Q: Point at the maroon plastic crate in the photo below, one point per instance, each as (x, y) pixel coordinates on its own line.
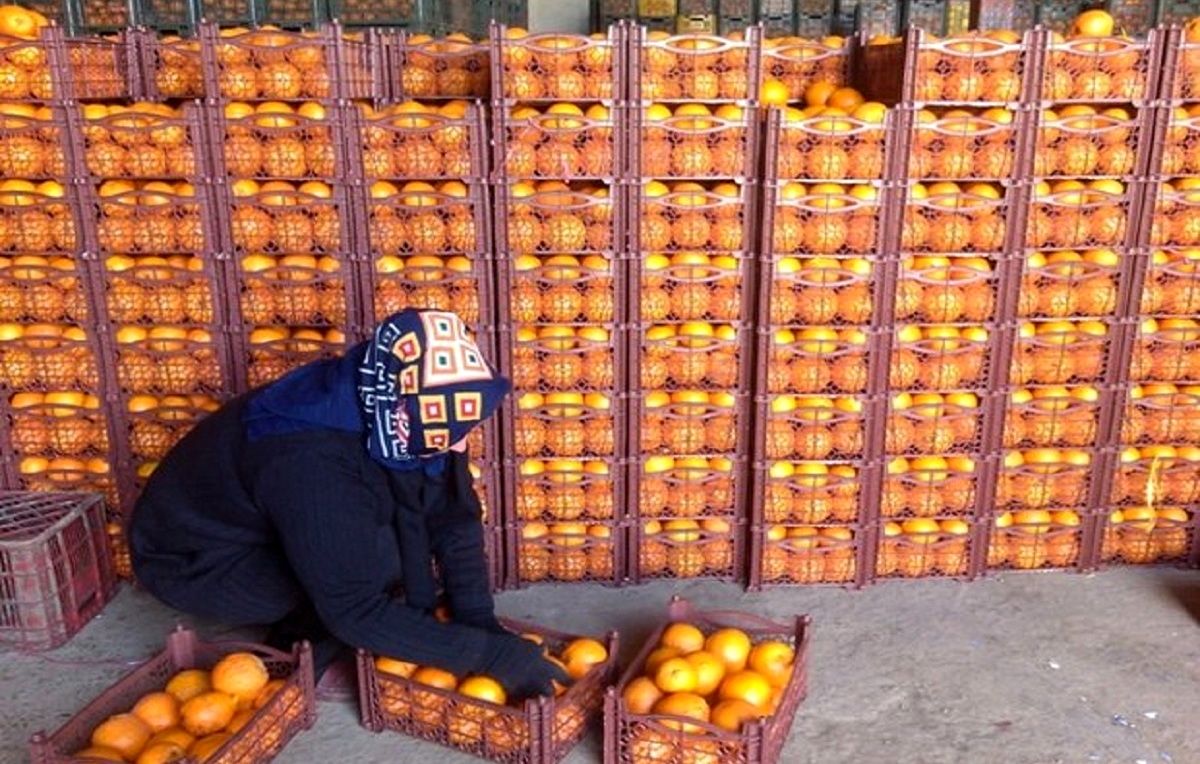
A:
(68, 473)
(694, 67)
(540, 731)
(569, 552)
(1066, 285)
(57, 573)
(37, 219)
(940, 357)
(926, 548)
(966, 147)
(823, 228)
(565, 426)
(279, 219)
(48, 357)
(56, 424)
(274, 65)
(816, 361)
(1172, 284)
(806, 555)
(296, 291)
(29, 68)
(1044, 479)
(800, 64)
(413, 140)
(1038, 545)
(948, 290)
(271, 352)
(935, 423)
(715, 221)
(95, 68)
(309, 141)
(829, 149)
(683, 548)
(927, 486)
(439, 68)
(810, 493)
(33, 142)
(1161, 414)
(1175, 215)
(1112, 142)
(1063, 353)
(1053, 417)
(578, 220)
(694, 143)
(157, 424)
(145, 141)
(562, 141)
(959, 223)
(1143, 535)
(1180, 77)
(290, 711)
(171, 66)
(556, 67)
(630, 737)
(43, 290)
(153, 218)
(1080, 220)
(1156, 475)
(1164, 350)
(811, 428)
(1098, 71)
(152, 291)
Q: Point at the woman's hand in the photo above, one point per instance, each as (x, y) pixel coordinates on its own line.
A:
(520, 667)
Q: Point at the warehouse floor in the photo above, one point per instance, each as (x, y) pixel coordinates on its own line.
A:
(1033, 668)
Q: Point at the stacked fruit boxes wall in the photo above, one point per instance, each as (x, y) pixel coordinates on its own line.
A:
(693, 174)
(1150, 514)
(561, 278)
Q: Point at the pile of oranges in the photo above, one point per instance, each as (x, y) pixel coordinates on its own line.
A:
(474, 712)
(415, 140)
(268, 64)
(695, 688)
(557, 67)
(561, 141)
(452, 66)
(693, 68)
(924, 546)
(791, 65)
(197, 714)
(1035, 538)
(142, 140)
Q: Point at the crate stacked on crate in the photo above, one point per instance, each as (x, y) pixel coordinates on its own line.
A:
(473, 713)
(1090, 144)
(959, 162)
(454, 66)
(791, 66)
(693, 155)
(283, 185)
(560, 313)
(816, 467)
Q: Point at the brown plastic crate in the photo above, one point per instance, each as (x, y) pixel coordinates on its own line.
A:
(838, 149)
(271, 352)
(805, 555)
(556, 67)
(1097, 71)
(580, 220)
(1053, 417)
(807, 428)
(540, 143)
(144, 142)
(1064, 353)
(1175, 216)
(297, 291)
(28, 67)
(33, 143)
(844, 228)
(273, 65)
(1036, 547)
(810, 493)
(692, 147)
(1180, 76)
(816, 361)
(309, 141)
(632, 737)
(151, 291)
(1040, 480)
(1164, 537)
(541, 731)
(150, 220)
(37, 221)
(1069, 286)
(43, 290)
(1112, 143)
(57, 573)
(1171, 287)
(1161, 414)
(714, 221)
(411, 140)
(1155, 475)
(568, 552)
(964, 147)
(95, 68)
(171, 66)
(948, 552)
(566, 426)
(47, 357)
(935, 358)
(67, 473)
(940, 423)
(931, 487)
(688, 548)
(438, 68)
(312, 220)
(962, 223)
(289, 712)
(799, 64)
(949, 290)
(1165, 351)
(694, 67)
(58, 424)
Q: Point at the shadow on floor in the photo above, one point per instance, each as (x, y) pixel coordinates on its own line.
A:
(1187, 594)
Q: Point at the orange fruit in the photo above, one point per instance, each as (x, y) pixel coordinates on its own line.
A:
(242, 675)
(581, 655)
(124, 733)
(774, 661)
(208, 712)
(676, 675)
(483, 688)
(749, 686)
(710, 670)
(731, 646)
(730, 715)
(641, 694)
(394, 667)
(773, 93)
(162, 753)
(684, 636)
(659, 656)
(188, 684)
(819, 93)
(204, 748)
(100, 752)
(846, 99)
(686, 704)
(433, 677)
(177, 735)
(159, 710)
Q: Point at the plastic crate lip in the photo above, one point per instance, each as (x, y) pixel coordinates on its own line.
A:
(821, 544)
(290, 198)
(15, 504)
(781, 51)
(823, 349)
(1089, 46)
(19, 200)
(559, 42)
(1094, 131)
(1156, 465)
(1187, 198)
(1179, 265)
(956, 275)
(259, 122)
(678, 200)
(1166, 401)
(973, 126)
(296, 346)
(1081, 270)
(570, 200)
(1048, 471)
(964, 203)
(431, 48)
(545, 122)
(817, 204)
(976, 40)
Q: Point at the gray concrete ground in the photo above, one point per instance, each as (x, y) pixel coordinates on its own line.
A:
(1033, 668)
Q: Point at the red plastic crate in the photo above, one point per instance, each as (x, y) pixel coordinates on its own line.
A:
(799, 64)
(1179, 133)
(630, 738)
(687, 357)
(413, 140)
(817, 361)
(68, 473)
(712, 221)
(29, 73)
(541, 731)
(937, 423)
(565, 426)
(271, 352)
(94, 68)
(33, 143)
(688, 487)
(580, 220)
(806, 554)
(156, 425)
(808, 428)
(1156, 475)
(945, 552)
(560, 142)
(691, 286)
(170, 360)
(694, 67)
(291, 710)
(940, 358)
(439, 68)
(459, 284)
(809, 493)
(417, 219)
(556, 67)
(295, 290)
(56, 570)
(158, 219)
(1053, 417)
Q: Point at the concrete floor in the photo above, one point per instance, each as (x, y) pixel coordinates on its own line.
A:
(1033, 668)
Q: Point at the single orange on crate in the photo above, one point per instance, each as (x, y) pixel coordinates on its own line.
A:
(242, 675)
(581, 655)
(124, 733)
(731, 646)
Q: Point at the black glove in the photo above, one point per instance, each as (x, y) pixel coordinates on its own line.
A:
(520, 667)
(480, 619)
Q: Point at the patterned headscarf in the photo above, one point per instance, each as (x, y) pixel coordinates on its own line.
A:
(416, 388)
(423, 385)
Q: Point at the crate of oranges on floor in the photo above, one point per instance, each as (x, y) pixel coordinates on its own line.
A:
(709, 687)
(217, 702)
(473, 714)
